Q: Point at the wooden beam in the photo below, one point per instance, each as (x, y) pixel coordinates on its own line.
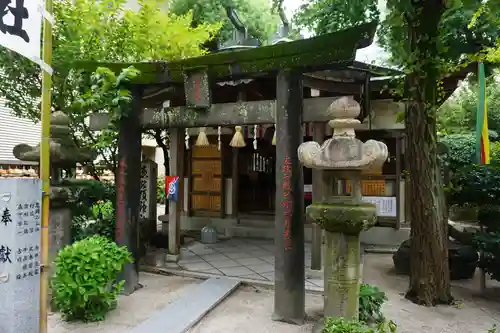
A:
(228, 114)
(289, 281)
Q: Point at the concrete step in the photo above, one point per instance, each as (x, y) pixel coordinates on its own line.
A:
(185, 312)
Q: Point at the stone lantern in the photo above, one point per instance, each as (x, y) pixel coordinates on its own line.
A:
(342, 217)
(64, 155)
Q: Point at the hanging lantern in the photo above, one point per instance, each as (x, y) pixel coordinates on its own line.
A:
(273, 142)
(237, 141)
(219, 143)
(255, 137)
(186, 138)
(202, 140)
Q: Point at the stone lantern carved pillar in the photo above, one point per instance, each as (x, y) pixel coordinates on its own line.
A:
(342, 217)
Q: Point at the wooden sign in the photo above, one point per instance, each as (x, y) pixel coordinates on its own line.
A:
(197, 89)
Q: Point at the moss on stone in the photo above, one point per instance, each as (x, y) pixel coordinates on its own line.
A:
(344, 217)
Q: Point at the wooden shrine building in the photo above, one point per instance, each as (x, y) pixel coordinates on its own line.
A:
(229, 174)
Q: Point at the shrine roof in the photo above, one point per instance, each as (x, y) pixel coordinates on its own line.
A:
(324, 56)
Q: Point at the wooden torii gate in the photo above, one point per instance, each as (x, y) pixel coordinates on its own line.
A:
(188, 85)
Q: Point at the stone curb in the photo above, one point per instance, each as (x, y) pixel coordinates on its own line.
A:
(204, 276)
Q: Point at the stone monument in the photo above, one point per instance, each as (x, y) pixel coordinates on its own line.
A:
(20, 255)
(147, 208)
(64, 155)
(342, 217)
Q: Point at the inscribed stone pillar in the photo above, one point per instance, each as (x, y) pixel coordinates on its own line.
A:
(289, 295)
(147, 210)
(20, 255)
(128, 178)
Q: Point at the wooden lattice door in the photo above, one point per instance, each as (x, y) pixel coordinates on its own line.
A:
(206, 181)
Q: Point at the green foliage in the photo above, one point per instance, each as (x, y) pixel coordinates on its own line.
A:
(371, 299)
(84, 194)
(83, 227)
(458, 114)
(456, 37)
(489, 243)
(488, 216)
(84, 283)
(255, 14)
(461, 150)
(475, 185)
(341, 325)
(325, 16)
(91, 203)
(161, 196)
(479, 185)
(490, 9)
(111, 33)
(103, 209)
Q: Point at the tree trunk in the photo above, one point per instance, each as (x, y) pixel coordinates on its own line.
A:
(164, 144)
(429, 272)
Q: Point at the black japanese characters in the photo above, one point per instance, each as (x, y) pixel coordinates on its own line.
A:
(20, 13)
(6, 217)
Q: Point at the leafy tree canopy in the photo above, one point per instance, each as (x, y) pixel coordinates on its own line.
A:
(99, 31)
(257, 16)
(490, 8)
(325, 16)
(458, 114)
(457, 36)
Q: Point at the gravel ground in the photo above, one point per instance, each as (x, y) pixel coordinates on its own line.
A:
(249, 309)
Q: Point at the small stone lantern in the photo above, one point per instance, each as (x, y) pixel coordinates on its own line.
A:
(342, 217)
(64, 155)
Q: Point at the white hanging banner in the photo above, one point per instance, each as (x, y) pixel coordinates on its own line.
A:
(21, 27)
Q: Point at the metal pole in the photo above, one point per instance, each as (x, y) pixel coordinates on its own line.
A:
(45, 166)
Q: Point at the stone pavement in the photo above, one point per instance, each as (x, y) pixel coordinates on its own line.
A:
(246, 259)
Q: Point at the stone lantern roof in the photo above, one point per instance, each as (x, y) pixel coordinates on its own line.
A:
(343, 151)
(63, 150)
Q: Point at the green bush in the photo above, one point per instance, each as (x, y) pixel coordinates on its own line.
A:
(84, 285)
(475, 185)
(161, 196)
(84, 194)
(371, 299)
(92, 206)
(489, 244)
(83, 227)
(461, 150)
(103, 209)
(341, 325)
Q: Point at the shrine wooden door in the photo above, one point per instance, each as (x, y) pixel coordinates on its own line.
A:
(207, 183)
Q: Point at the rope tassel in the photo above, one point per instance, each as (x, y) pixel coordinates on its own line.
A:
(273, 142)
(202, 140)
(238, 141)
